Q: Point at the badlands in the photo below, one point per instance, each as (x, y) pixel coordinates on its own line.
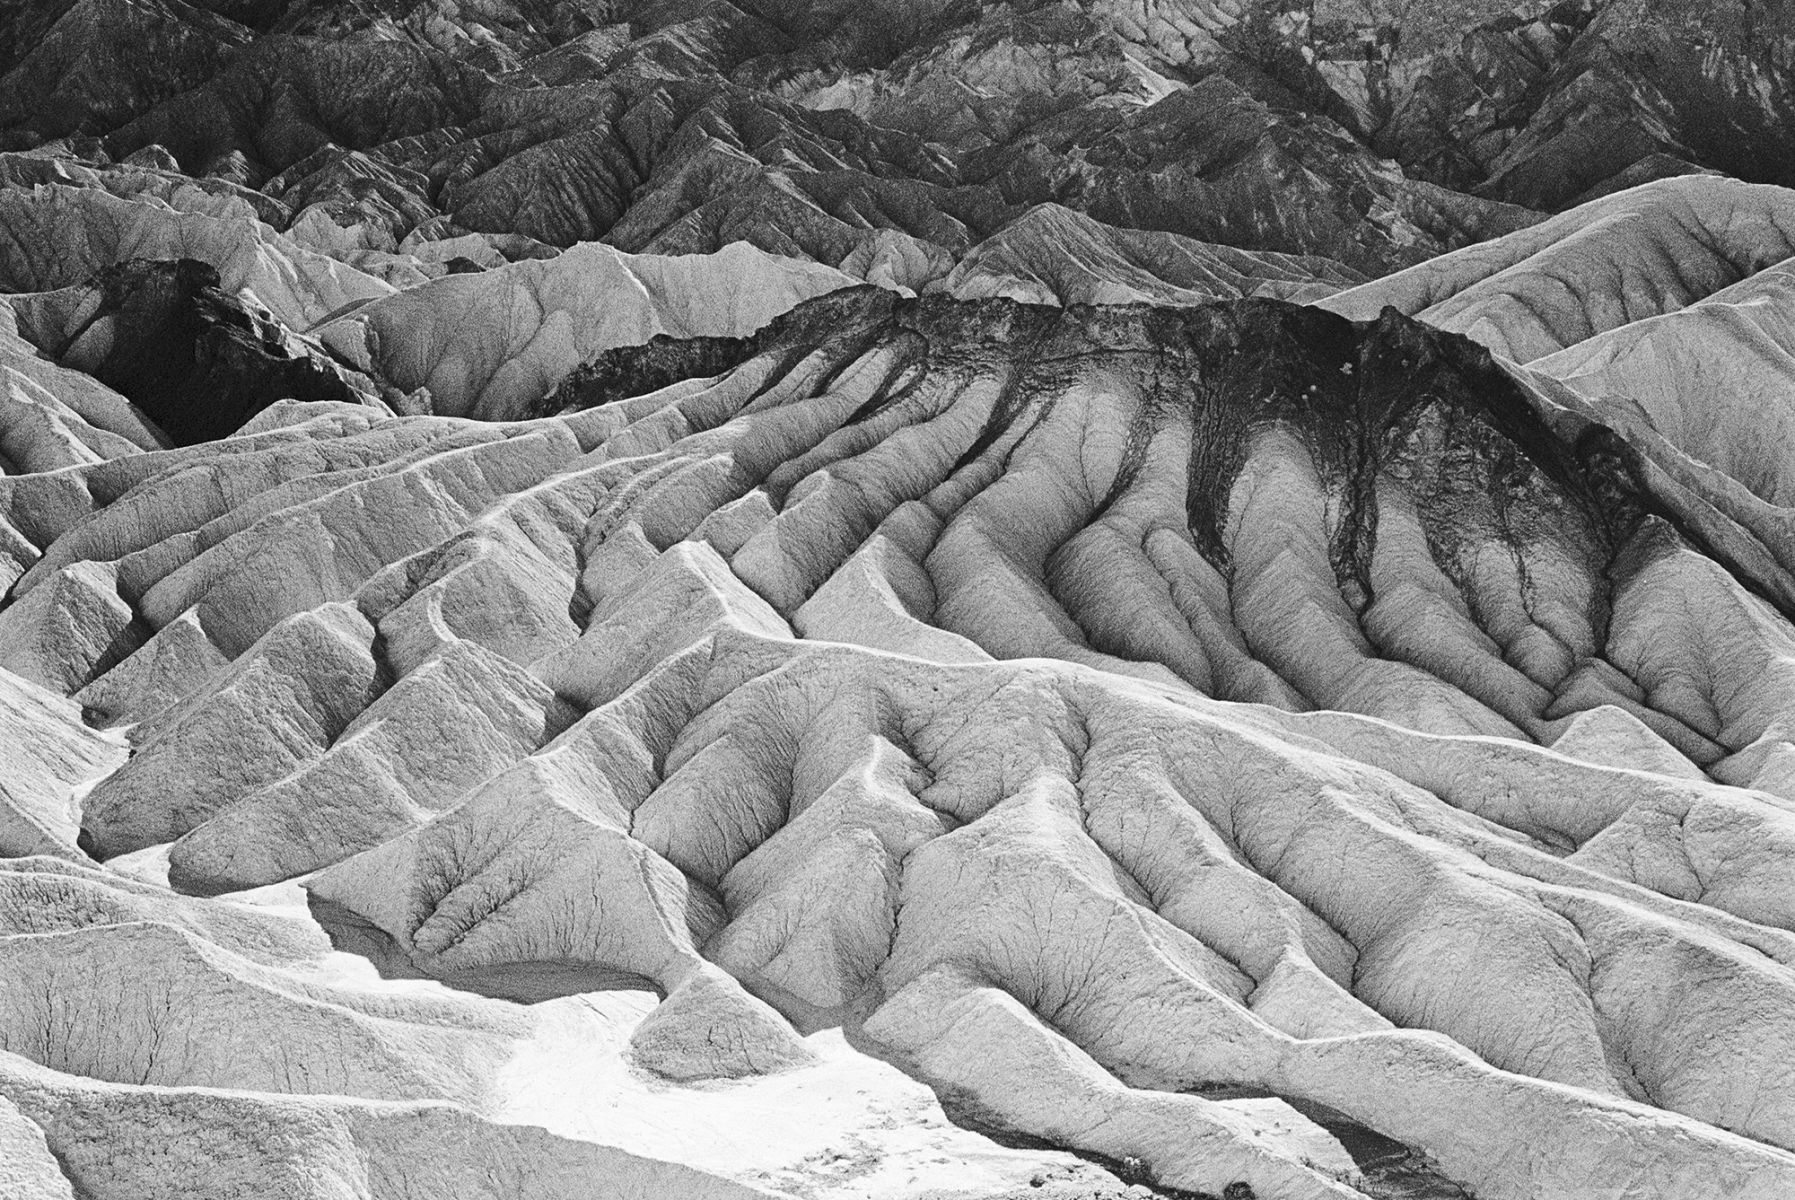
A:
(676, 599)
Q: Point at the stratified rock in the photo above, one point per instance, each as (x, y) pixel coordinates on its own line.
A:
(374, 204)
(882, 670)
(679, 144)
(517, 667)
(282, 98)
(1560, 101)
(496, 37)
(105, 61)
(493, 345)
(1589, 298)
(1056, 256)
(1637, 254)
(58, 237)
(149, 173)
(1737, 341)
(1213, 163)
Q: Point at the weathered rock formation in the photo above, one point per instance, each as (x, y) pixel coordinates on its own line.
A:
(196, 360)
(918, 600)
(1170, 733)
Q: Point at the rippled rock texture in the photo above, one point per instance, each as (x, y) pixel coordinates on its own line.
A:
(918, 601)
(1206, 738)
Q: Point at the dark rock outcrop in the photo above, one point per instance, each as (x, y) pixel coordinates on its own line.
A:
(196, 359)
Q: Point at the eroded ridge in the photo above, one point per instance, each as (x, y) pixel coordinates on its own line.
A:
(1093, 712)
